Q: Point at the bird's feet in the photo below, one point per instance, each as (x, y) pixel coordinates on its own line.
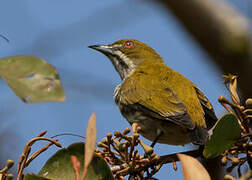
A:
(159, 134)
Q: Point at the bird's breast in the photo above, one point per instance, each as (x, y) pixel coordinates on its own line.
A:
(172, 134)
(117, 96)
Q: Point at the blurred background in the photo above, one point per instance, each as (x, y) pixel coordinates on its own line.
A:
(60, 31)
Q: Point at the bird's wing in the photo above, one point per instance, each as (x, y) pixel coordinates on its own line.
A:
(157, 101)
(210, 116)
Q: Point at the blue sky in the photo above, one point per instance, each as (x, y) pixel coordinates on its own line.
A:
(60, 31)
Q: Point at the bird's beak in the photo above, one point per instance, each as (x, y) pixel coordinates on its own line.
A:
(105, 49)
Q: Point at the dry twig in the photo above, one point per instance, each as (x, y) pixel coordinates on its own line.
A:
(24, 161)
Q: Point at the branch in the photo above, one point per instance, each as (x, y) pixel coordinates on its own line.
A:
(222, 32)
(24, 161)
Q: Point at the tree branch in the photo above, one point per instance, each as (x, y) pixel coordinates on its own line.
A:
(222, 32)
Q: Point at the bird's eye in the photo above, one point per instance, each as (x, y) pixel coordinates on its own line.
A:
(128, 44)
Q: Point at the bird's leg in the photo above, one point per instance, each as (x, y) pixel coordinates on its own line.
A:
(159, 134)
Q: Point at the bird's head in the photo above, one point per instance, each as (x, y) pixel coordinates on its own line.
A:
(127, 54)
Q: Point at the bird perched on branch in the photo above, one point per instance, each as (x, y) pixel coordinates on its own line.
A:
(168, 107)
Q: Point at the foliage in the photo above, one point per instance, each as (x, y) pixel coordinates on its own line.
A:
(68, 163)
(195, 166)
(32, 79)
(221, 139)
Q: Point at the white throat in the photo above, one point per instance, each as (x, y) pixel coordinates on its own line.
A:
(123, 64)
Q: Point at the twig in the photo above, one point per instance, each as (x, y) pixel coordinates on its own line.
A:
(42, 133)
(236, 108)
(134, 137)
(24, 161)
(3, 172)
(68, 134)
(34, 155)
(8, 165)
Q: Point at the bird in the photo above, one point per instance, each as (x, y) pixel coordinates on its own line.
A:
(168, 107)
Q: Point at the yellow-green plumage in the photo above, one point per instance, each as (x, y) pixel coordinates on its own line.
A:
(157, 97)
(164, 91)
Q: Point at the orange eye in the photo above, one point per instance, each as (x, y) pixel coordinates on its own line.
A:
(128, 44)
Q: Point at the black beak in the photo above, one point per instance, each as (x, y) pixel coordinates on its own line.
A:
(102, 48)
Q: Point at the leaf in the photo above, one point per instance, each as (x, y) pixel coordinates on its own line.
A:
(32, 79)
(232, 81)
(225, 133)
(233, 91)
(60, 166)
(90, 142)
(192, 169)
(34, 177)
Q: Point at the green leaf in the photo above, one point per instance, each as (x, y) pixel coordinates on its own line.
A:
(34, 177)
(225, 134)
(59, 166)
(32, 79)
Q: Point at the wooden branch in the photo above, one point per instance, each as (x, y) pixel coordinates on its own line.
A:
(222, 32)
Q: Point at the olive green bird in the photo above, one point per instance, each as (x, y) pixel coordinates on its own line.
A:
(168, 107)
